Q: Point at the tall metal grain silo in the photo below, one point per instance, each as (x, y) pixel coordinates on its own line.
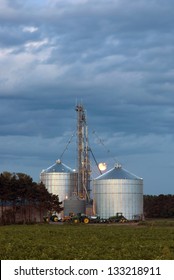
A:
(60, 179)
(116, 191)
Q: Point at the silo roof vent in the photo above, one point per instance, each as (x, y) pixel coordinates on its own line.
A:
(118, 165)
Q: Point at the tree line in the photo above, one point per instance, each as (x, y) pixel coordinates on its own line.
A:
(161, 206)
(22, 200)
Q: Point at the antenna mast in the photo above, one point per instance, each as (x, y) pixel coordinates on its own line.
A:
(83, 154)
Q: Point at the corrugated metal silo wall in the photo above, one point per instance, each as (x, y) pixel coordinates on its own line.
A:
(61, 184)
(74, 206)
(118, 195)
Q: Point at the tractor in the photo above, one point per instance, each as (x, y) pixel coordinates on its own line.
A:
(51, 217)
(118, 218)
(80, 218)
(76, 219)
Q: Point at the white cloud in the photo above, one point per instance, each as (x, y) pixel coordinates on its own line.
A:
(30, 29)
(35, 44)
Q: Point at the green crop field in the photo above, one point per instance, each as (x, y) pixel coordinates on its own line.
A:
(146, 241)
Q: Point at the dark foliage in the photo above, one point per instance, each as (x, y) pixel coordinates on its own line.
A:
(24, 199)
(161, 206)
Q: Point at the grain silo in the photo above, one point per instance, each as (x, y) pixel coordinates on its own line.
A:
(117, 191)
(60, 179)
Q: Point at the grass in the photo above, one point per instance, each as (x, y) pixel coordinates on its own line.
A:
(148, 241)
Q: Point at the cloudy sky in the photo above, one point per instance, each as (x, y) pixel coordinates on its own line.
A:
(116, 57)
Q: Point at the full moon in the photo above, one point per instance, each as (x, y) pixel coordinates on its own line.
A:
(102, 166)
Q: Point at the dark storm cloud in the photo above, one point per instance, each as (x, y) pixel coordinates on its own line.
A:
(116, 57)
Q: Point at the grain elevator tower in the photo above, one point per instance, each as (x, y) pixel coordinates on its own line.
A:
(83, 163)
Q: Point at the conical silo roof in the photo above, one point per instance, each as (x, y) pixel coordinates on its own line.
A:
(58, 167)
(117, 173)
